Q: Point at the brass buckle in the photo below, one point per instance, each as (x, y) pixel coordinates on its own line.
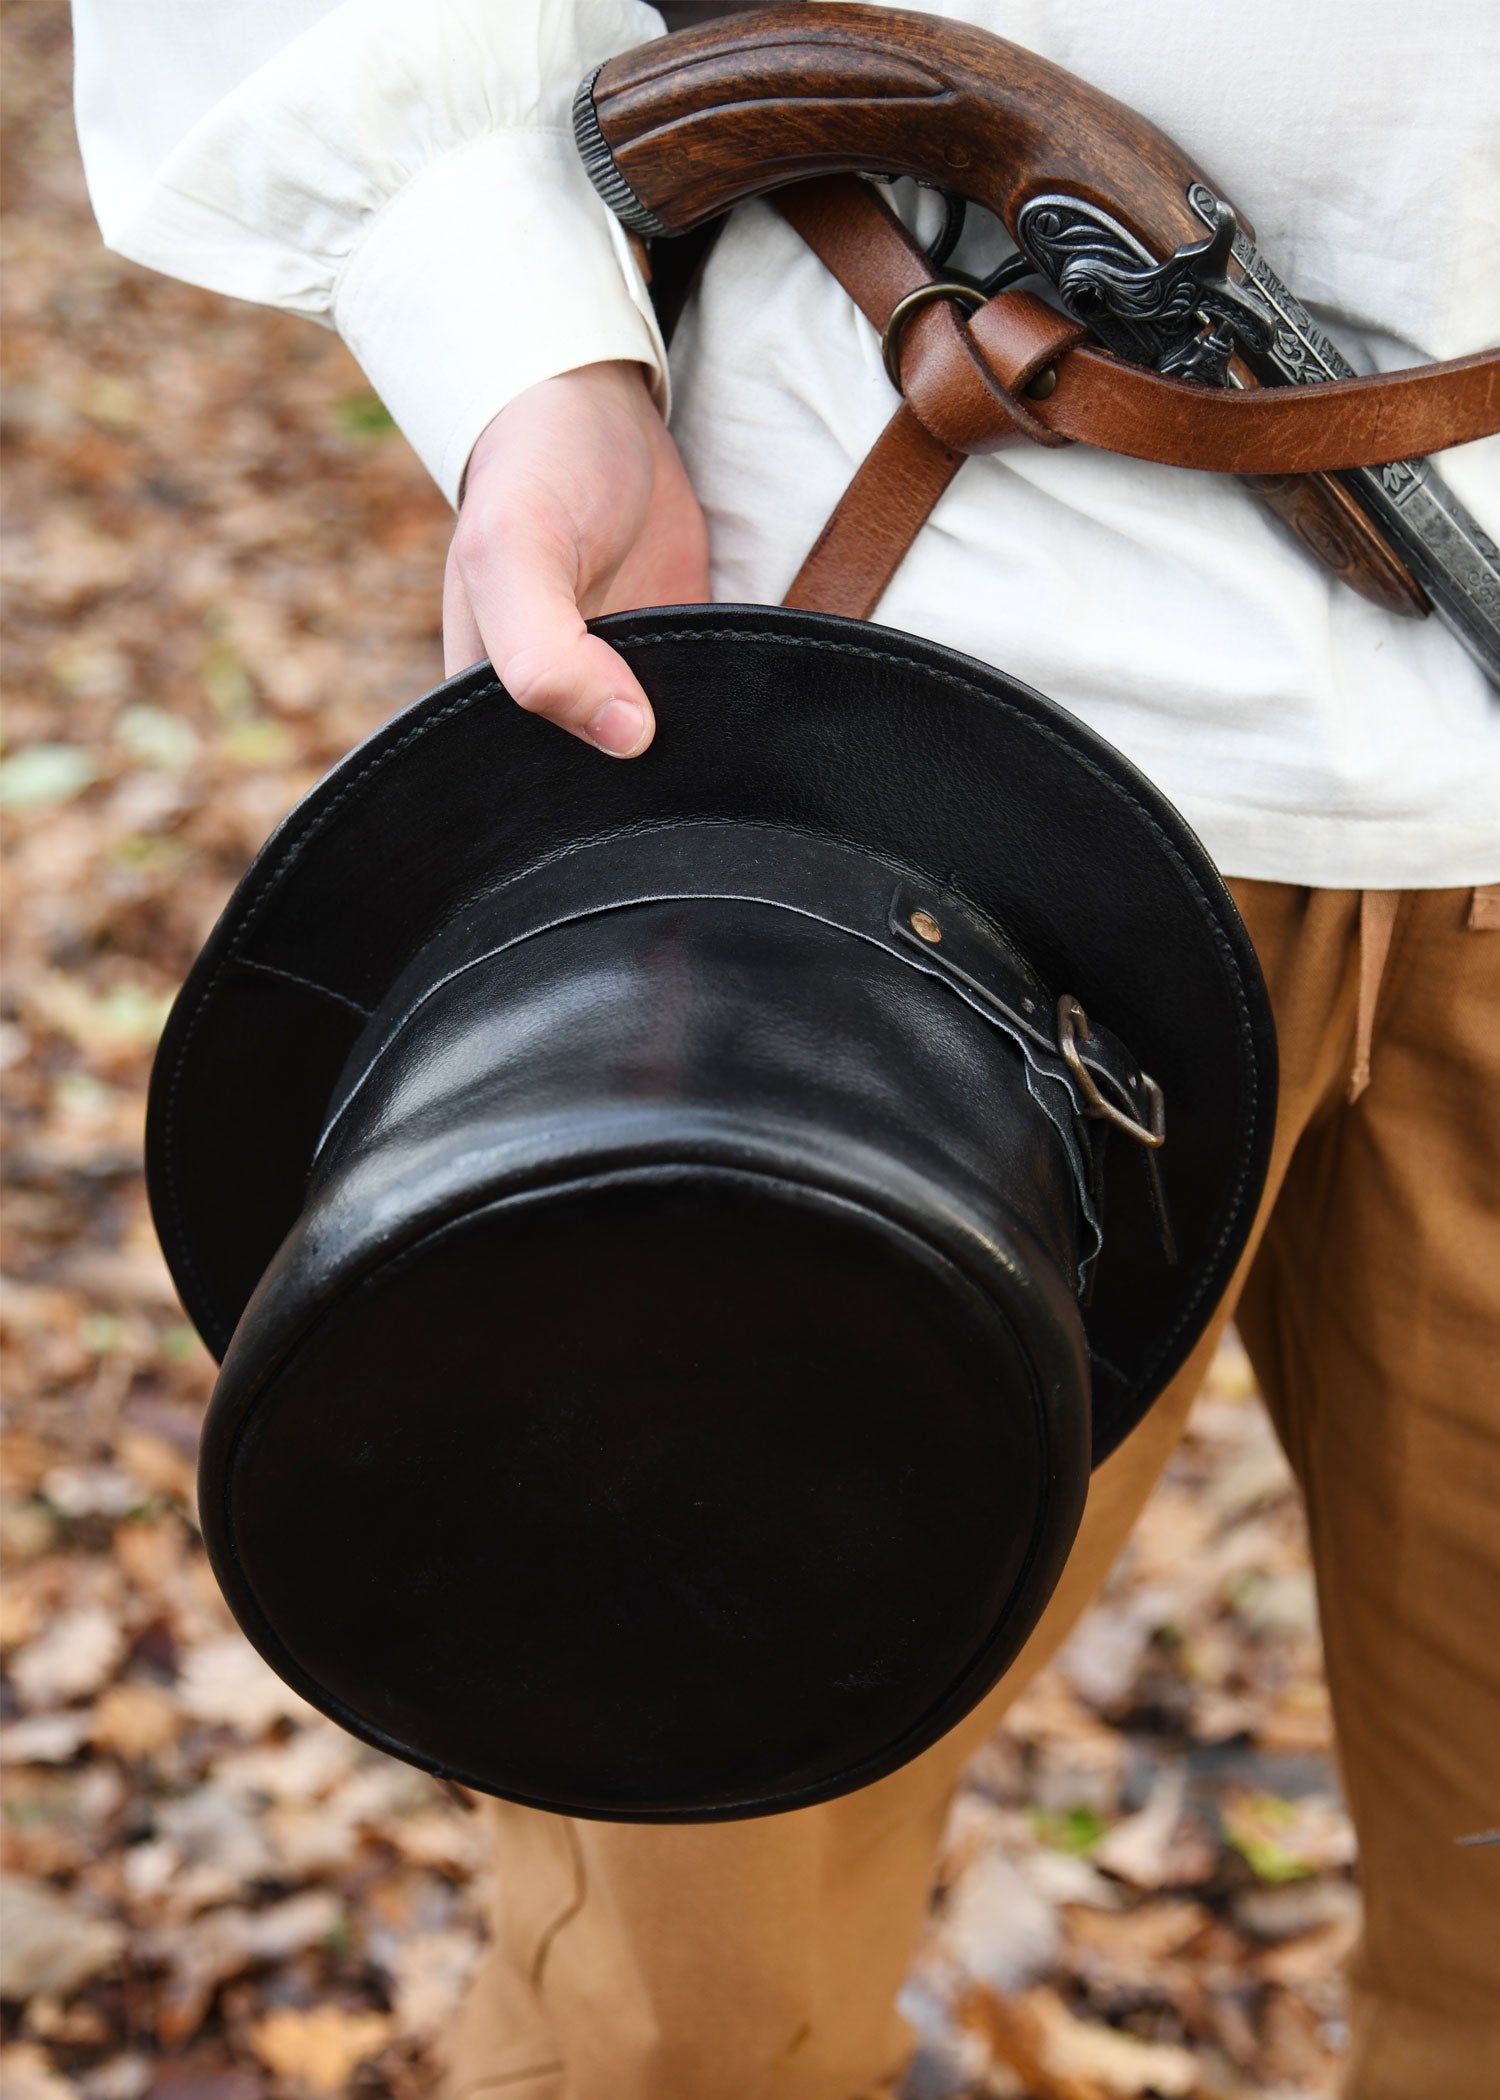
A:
(1073, 1026)
(902, 311)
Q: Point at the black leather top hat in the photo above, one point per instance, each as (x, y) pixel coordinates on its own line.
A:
(682, 1231)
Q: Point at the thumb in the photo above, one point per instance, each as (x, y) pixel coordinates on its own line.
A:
(517, 601)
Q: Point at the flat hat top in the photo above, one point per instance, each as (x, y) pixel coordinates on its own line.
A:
(938, 766)
(655, 1548)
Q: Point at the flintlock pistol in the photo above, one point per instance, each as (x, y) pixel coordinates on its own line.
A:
(1142, 248)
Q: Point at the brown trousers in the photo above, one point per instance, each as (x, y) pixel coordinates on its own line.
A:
(760, 1961)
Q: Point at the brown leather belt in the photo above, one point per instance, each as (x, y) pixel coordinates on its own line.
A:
(1015, 367)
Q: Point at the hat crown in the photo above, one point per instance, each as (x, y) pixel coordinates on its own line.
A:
(642, 1254)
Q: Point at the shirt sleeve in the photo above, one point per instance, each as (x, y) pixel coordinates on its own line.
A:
(401, 170)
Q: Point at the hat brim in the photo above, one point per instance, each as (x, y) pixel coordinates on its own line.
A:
(893, 745)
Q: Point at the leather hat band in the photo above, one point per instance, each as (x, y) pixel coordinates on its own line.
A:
(1080, 1073)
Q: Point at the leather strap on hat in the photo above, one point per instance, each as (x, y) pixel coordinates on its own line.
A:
(972, 381)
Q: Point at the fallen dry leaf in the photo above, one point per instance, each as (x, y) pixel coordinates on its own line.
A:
(76, 2026)
(134, 1720)
(151, 1554)
(124, 2077)
(997, 1927)
(1292, 2050)
(319, 2048)
(1299, 1719)
(1137, 1848)
(435, 1837)
(1283, 1840)
(22, 1613)
(218, 1846)
(1132, 1947)
(226, 1681)
(429, 1974)
(1065, 1878)
(310, 1838)
(28, 1529)
(1060, 2057)
(71, 1658)
(158, 1465)
(1015, 2037)
(43, 1739)
(1313, 1959)
(1102, 1658)
(1296, 1907)
(302, 1768)
(92, 1491)
(224, 1943)
(26, 2073)
(50, 1946)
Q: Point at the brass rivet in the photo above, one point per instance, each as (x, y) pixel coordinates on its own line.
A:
(925, 926)
(1043, 386)
(1028, 1006)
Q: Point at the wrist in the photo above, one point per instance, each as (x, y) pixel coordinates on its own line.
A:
(617, 383)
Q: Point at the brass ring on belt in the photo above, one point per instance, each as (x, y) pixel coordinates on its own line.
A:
(902, 311)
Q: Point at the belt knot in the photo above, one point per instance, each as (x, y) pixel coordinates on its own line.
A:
(965, 378)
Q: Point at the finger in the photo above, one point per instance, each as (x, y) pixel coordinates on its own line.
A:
(522, 599)
(462, 642)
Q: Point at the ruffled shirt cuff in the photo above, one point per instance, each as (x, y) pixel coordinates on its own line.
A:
(405, 174)
(494, 268)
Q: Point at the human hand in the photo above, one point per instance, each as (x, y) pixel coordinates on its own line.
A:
(576, 504)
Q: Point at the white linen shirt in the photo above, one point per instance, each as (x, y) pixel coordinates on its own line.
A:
(404, 171)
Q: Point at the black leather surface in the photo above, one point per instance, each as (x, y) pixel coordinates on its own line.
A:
(943, 767)
(665, 1384)
(811, 878)
(669, 1404)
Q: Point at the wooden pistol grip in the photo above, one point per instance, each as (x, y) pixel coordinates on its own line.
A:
(699, 121)
(677, 131)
